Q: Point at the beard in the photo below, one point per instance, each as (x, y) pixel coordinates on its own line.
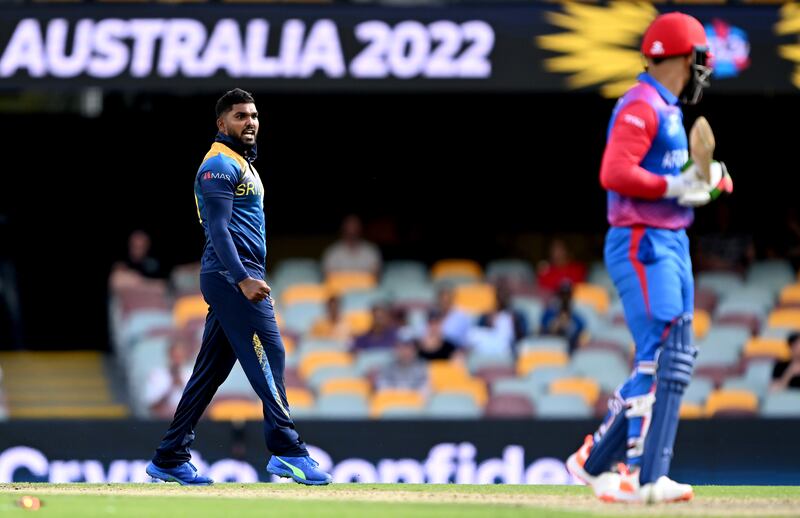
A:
(248, 140)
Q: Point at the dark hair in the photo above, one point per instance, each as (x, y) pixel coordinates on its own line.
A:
(231, 97)
(792, 338)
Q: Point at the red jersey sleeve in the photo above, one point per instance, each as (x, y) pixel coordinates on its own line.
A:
(631, 136)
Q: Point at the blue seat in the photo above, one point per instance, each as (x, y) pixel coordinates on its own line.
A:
(698, 390)
(605, 367)
(373, 359)
(362, 300)
(532, 343)
(720, 283)
(297, 270)
(452, 406)
(515, 270)
(479, 361)
(237, 384)
(562, 406)
(532, 308)
(298, 318)
(782, 404)
(342, 406)
(412, 293)
(771, 274)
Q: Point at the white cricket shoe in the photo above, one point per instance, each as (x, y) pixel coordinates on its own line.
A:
(663, 490)
(602, 484)
(666, 490)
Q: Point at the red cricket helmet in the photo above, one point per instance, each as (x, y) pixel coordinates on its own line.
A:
(678, 34)
(673, 34)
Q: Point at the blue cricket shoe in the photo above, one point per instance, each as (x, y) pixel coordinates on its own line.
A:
(303, 470)
(185, 474)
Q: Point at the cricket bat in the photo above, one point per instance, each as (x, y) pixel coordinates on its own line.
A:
(701, 146)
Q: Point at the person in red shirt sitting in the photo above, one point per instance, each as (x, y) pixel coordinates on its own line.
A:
(560, 267)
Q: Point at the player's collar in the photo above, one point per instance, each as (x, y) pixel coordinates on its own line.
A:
(662, 90)
(248, 152)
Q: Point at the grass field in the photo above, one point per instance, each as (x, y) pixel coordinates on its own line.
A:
(378, 501)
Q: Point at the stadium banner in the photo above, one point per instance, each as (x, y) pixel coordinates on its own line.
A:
(719, 451)
(537, 47)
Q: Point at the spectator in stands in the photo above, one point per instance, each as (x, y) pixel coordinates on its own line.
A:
(787, 374)
(382, 334)
(139, 269)
(406, 372)
(165, 384)
(559, 319)
(351, 253)
(332, 325)
(559, 267)
(724, 249)
(497, 331)
(433, 345)
(455, 322)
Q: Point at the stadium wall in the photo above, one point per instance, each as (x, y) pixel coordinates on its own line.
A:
(515, 452)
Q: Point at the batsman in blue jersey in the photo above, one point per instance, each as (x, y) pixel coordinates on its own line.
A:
(653, 188)
(241, 320)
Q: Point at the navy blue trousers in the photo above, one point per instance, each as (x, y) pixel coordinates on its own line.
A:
(235, 329)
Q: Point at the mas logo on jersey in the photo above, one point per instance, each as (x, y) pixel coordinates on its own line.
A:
(730, 48)
(789, 24)
(208, 175)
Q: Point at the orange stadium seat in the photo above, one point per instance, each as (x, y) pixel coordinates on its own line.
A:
(359, 321)
(701, 323)
(456, 268)
(475, 298)
(767, 347)
(299, 397)
(188, 308)
(343, 282)
(288, 344)
(593, 295)
(731, 400)
(358, 386)
(534, 359)
(236, 410)
(389, 399)
(587, 388)
(691, 411)
(442, 373)
(317, 359)
(297, 293)
(788, 318)
(790, 294)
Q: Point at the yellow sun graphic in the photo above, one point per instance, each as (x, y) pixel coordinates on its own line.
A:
(599, 45)
(790, 24)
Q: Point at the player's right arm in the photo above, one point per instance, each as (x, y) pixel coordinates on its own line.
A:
(218, 181)
(629, 141)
